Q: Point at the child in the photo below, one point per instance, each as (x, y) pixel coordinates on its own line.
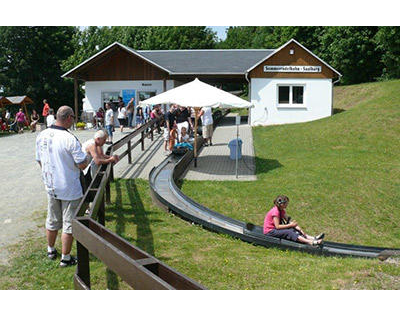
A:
(172, 136)
(274, 225)
(184, 136)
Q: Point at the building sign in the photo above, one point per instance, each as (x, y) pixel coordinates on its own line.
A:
(292, 68)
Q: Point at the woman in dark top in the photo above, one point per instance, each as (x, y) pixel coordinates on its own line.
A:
(139, 117)
(34, 120)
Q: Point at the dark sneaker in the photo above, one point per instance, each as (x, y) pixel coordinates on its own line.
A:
(320, 236)
(66, 263)
(52, 254)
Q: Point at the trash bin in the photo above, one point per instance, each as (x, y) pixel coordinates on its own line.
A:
(232, 146)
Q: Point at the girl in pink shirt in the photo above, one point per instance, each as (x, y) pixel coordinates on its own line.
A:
(277, 224)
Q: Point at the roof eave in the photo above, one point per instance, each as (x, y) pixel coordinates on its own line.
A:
(126, 48)
(306, 49)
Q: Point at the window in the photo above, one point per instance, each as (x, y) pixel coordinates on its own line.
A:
(284, 95)
(143, 95)
(297, 94)
(109, 96)
(291, 95)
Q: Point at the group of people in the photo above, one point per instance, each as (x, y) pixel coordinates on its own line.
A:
(20, 120)
(16, 124)
(125, 115)
(178, 126)
(177, 121)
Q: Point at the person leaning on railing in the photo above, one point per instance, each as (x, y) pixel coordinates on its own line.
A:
(94, 149)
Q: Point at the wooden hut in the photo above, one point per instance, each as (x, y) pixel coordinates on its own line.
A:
(21, 101)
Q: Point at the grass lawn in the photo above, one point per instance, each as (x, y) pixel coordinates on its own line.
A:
(342, 175)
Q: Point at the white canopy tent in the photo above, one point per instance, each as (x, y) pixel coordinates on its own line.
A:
(197, 94)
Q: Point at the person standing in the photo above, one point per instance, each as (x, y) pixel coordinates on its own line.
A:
(7, 117)
(45, 112)
(130, 110)
(173, 135)
(169, 123)
(61, 158)
(207, 124)
(139, 116)
(109, 122)
(122, 116)
(50, 119)
(21, 119)
(154, 114)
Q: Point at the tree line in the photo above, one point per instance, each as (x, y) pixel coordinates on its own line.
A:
(32, 59)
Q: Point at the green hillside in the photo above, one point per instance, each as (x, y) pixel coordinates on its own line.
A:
(341, 173)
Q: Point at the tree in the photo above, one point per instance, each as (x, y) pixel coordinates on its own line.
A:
(238, 37)
(180, 37)
(30, 62)
(388, 40)
(352, 51)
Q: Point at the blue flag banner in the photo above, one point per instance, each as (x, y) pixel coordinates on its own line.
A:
(127, 95)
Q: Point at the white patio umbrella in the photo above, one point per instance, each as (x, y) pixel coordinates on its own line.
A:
(198, 94)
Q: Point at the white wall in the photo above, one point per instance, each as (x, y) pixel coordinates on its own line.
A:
(93, 90)
(264, 95)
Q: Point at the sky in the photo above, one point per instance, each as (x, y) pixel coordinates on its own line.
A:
(221, 31)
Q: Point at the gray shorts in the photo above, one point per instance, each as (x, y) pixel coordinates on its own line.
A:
(208, 131)
(60, 213)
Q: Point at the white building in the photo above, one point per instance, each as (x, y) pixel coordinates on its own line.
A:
(287, 85)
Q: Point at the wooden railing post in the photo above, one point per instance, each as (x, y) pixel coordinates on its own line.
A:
(83, 268)
(108, 192)
(142, 141)
(129, 153)
(102, 213)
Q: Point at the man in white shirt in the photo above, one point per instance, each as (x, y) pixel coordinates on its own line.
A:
(61, 158)
(50, 119)
(109, 122)
(8, 115)
(207, 124)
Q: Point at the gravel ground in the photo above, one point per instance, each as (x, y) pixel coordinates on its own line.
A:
(22, 192)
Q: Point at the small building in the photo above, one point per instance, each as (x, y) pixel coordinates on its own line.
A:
(286, 85)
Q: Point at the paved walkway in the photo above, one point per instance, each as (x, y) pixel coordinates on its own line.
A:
(22, 191)
(213, 162)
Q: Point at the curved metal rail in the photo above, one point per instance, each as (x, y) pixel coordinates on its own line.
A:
(165, 192)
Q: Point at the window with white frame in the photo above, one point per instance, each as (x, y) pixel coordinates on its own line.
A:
(291, 95)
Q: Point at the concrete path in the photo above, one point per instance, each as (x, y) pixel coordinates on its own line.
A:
(214, 163)
(22, 191)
